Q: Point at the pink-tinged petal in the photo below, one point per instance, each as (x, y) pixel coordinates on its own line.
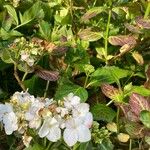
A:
(84, 134)
(70, 136)
(44, 130)
(54, 134)
(88, 120)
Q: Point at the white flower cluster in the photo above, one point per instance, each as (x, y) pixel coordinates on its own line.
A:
(68, 118)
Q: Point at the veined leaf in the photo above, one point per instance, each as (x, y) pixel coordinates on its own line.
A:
(107, 75)
(92, 13)
(103, 112)
(122, 40)
(89, 35)
(45, 30)
(12, 13)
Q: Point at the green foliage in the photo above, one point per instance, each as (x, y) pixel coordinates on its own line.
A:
(103, 112)
(65, 87)
(108, 75)
(145, 118)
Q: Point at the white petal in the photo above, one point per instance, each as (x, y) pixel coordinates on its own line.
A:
(54, 134)
(70, 136)
(70, 123)
(10, 122)
(80, 110)
(44, 130)
(75, 100)
(84, 134)
(88, 120)
(35, 123)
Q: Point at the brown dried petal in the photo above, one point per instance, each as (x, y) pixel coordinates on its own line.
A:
(122, 40)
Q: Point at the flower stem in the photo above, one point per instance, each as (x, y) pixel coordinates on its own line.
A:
(17, 77)
(130, 145)
(86, 80)
(24, 76)
(107, 34)
(45, 93)
(50, 143)
(117, 118)
(109, 103)
(147, 10)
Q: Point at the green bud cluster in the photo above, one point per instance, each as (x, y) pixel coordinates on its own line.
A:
(99, 134)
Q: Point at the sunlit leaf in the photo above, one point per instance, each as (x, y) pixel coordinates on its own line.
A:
(122, 40)
(138, 57)
(89, 35)
(92, 13)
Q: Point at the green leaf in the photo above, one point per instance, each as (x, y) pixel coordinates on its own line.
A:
(107, 75)
(65, 87)
(145, 118)
(92, 13)
(141, 90)
(45, 30)
(106, 145)
(8, 34)
(35, 12)
(12, 13)
(89, 35)
(6, 56)
(35, 85)
(103, 112)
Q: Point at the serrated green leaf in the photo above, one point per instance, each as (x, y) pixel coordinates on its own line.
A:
(45, 30)
(65, 87)
(145, 118)
(107, 75)
(103, 112)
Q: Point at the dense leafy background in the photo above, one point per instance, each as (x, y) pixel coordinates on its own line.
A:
(91, 44)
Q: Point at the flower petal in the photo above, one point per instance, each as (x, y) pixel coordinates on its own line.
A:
(70, 136)
(44, 130)
(54, 134)
(88, 120)
(84, 134)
